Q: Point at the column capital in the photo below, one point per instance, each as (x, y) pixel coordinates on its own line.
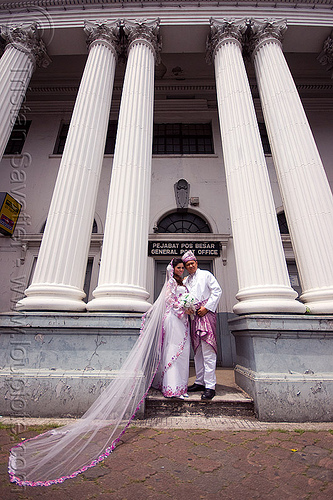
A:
(147, 32)
(106, 31)
(326, 55)
(221, 31)
(266, 31)
(26, 39)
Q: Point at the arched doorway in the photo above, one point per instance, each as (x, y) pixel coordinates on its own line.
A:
(189, 229)
(179, 222)
(183, 222)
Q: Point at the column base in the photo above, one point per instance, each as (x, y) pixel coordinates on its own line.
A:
(119, 298)
(52, 298)
(268, 300)
(62, 361)
(319, 301)
(284, 363)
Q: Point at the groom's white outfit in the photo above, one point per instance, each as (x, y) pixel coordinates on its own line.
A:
(207, 292)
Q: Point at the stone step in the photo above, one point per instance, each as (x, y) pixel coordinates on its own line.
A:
(229, 401)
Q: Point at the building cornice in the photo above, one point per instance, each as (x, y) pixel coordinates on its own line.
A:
(312, 87)
(100, 3)
(70, 15)
(60, 99)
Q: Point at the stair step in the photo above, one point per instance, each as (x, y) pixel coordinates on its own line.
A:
(229, 402)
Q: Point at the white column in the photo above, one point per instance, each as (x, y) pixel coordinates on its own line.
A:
(122, 278)
(59, 276)
(264, 285)
(307, 197)
(23, 52)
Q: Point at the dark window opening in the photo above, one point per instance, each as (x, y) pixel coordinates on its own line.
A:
(94, 228)
(109, 143)
(294, 277)
(61, 139)
(32, 271)
(111, 138)
(183, 138)
(168, 138)
(87, 279)
(283, 226)
(183, 223)
(17, 138)
(264, 139)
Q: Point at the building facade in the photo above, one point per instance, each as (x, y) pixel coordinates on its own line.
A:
(133, 132)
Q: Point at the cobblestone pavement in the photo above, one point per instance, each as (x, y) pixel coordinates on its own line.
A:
(222, 458)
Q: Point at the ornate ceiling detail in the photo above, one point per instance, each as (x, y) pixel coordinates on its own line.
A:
(326, 56)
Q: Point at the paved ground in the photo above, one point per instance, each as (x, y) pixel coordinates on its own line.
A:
(216, 461)
(193, 457)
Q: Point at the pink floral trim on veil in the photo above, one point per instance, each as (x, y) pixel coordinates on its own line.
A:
(15, 479)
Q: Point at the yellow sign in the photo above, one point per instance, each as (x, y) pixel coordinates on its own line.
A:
(9, 213)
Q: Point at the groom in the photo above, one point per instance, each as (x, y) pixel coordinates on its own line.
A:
(206, 290)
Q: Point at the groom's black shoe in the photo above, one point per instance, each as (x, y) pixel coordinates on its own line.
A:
(195, 388)
(208, 394)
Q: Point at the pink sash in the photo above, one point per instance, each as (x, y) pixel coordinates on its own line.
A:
(204, 329)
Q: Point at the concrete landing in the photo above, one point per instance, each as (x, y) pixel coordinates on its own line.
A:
(230, 400)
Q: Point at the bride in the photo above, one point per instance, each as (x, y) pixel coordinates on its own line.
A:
(173, 372)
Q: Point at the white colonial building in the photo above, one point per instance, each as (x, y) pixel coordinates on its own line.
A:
(133, 131)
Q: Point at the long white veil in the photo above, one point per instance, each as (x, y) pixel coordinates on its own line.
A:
(64, 453)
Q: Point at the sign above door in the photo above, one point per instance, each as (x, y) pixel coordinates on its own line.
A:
(177, 248)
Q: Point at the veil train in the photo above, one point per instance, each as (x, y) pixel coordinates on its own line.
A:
(63, 453)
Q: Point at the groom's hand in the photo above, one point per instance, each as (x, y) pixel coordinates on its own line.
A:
(202, 311)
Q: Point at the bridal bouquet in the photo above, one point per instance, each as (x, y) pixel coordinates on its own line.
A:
(188, 302)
